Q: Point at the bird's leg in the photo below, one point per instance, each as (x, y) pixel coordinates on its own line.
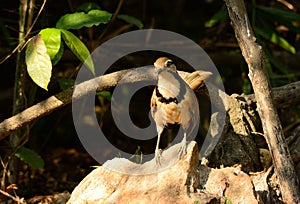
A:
(182, 150)
(157, 150)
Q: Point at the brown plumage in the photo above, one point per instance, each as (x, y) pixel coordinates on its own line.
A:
(173, 101)
(195, 80)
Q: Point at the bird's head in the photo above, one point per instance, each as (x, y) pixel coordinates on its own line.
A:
(164, 62)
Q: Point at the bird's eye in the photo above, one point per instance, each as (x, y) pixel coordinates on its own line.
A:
(169, 63)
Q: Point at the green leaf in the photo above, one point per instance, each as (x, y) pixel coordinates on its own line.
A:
(105, 94)
(38, 62)
(217, 17)
(131, 20)
(275, 38)
(78, 48)
(58, 56)
(52, 40)
(30, 157)
(228, 201)
(287, 19)
(86, 7)
(280, 14)
(78, 20)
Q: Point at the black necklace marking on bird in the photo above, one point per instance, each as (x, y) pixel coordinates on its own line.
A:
(176, 99)
(163, 99)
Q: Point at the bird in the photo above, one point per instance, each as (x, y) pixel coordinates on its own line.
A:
(173, 101)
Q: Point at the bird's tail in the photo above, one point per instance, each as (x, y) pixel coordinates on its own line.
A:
(195, 80)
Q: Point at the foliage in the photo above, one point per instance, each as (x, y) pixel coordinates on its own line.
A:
(78, 20)
(132, 20)
(105, 94)
(30, 157)
(78, 48)
(38, 62)
(266, 21)
(48, 44)
(228, 201)
(46, 49)
(267, 16)
(221, 14)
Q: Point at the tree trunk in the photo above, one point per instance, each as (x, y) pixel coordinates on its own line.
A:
(273, 133)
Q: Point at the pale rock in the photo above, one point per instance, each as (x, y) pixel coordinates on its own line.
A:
(183, 181)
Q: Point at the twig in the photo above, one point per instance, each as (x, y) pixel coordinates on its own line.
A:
(3, 180)
(254, 56)
(98, 41)
(17, 199)
(21, 45)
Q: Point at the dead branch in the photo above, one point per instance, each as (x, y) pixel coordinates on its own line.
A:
(284, 96)
(254, 56)
(59, 100)
(16, 199)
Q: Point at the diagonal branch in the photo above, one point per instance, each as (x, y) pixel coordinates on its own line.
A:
(108, 81)
(254, 57)
(57, 101)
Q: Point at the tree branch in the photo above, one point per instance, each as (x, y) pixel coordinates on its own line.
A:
(65, 97)
(254, 57)
(284, 96)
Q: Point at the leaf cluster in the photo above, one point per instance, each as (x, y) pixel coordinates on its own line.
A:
(273, 27)
(46, 49)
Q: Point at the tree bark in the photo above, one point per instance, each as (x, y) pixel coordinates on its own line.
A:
(255, 58)
(19, 100)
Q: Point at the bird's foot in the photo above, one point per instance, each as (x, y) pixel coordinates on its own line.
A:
(157, 158)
